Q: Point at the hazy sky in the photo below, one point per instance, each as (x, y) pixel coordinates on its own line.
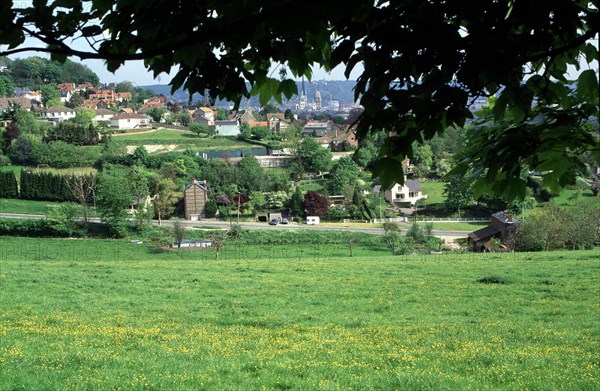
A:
(135, 72)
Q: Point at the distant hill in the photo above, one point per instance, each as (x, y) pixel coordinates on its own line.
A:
(341, 90)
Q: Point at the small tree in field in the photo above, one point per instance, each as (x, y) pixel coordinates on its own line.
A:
(198, 129)
(218, 242)
(178, 233)
(352, 240)
(82, 188)
(392, 240)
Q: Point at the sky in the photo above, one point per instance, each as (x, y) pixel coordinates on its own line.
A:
(135, 72)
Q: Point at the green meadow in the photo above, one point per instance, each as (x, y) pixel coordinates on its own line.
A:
(107, 315)
(168, 136)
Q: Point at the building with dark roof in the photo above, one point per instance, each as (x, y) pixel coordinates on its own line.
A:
(502, 226)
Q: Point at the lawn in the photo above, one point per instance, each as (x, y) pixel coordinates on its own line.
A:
(451, 226)
(168, 136)
(568, 198)
(83, 314)
(29, 206)
(434, 191)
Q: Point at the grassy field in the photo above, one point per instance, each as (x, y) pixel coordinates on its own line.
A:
(434, 191)
(450, 226)
(569, 197)
(167, 136)
(87, 315)
(27, 206)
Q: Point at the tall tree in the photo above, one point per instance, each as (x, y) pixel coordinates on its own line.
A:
(113, 198)
(459, 193)
(164, 196)
(344, 172)
(49, 94)
(422, 64)
(7, 86)
(313, 156)
(250, 174)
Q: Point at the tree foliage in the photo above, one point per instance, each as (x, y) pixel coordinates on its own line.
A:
(422, 64)
(344, 172)
(313, 157)
(315, 204)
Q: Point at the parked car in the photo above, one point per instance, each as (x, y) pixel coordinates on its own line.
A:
(284, 221)
(273, 222)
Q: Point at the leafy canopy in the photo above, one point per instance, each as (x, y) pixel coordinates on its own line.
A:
(423, 62)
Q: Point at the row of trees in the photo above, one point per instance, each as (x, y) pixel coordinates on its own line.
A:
(553, 227)
(8, 185)
(45, 186)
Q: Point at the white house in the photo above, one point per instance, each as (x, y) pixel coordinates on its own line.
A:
(65, 96)
(103, 115)
(402, 195)
(129, 121)
(57, 114)
(227, 128)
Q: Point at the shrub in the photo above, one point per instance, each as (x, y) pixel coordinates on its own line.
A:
(493, 280)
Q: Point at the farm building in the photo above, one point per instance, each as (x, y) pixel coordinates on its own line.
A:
(194, 200)
(502, 226)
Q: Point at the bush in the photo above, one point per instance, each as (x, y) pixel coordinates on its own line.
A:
(37, 228)
(4, 161)
(493, 280)
(336, 214)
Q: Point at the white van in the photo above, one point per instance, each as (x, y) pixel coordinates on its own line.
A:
(313, 220)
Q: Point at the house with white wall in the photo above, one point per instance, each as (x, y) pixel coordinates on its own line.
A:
(405, 195)
(227, 128)
(129, 121)
(103, 115)
(57, 114)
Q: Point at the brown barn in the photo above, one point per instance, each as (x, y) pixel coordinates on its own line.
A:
(502, 226)
(194, 200)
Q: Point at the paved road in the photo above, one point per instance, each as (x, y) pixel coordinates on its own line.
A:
(226, 224)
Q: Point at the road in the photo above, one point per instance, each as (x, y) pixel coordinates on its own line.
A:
(293, 226)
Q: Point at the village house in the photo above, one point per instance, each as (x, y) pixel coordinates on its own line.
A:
(277, 122)
(65, 96)
(122, 96)
(22, 102)
(57, 114)
(194, 200)
(207, 113)
(405, 195)
(129, 121)
(316, 129)
(103, 115)
(246, 116)
(102, 94)
(96, 104)
(227, 128)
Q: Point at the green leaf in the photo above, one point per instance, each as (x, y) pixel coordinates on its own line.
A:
(266, 89)
(389, 171)
(288, 88)
(587, 85)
